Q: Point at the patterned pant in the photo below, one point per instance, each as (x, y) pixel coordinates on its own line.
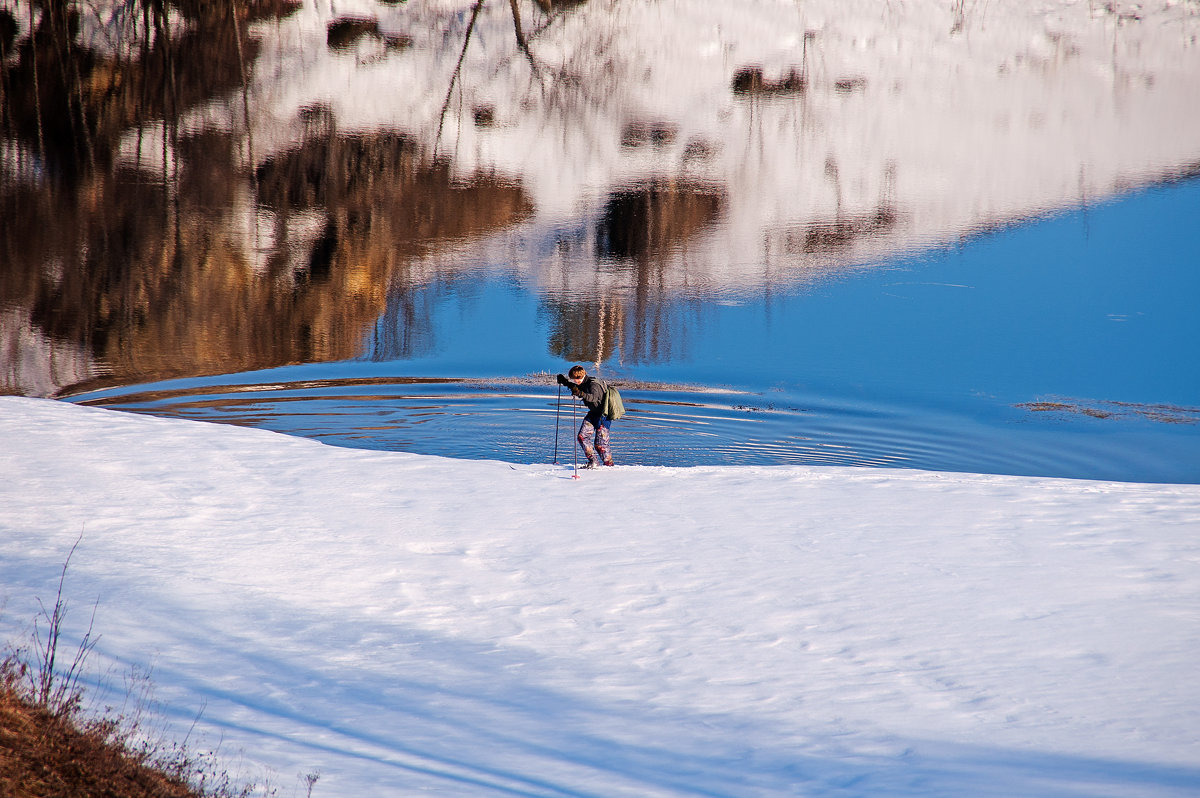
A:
(595, 427)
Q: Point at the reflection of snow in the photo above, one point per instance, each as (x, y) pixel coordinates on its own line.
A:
(34, 364)
(948, 119)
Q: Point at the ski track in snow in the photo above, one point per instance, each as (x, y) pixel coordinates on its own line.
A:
(406, 623)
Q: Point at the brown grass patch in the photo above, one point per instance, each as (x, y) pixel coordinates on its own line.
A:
(51, 748)
(48, 753)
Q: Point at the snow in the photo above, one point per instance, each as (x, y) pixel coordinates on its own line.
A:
(407, 624)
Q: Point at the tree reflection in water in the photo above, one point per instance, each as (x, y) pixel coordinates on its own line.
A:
(642, 231)
(179, 260)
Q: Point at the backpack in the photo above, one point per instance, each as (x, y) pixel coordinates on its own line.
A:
(613, 408)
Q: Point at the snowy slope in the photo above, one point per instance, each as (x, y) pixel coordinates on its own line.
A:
(405, 623)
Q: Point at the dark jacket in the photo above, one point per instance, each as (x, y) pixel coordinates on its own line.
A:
(591, 391)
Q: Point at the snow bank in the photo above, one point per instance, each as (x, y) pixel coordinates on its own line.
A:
(405, 623)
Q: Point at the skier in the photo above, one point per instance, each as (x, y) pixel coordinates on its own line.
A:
(595, 424)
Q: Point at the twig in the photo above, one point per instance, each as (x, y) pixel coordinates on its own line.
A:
(51, 692)
(457, 70)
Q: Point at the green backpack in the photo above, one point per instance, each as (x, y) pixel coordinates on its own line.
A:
(613, 408)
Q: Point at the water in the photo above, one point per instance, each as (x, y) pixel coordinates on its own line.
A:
(1050, 348)
(785, 248)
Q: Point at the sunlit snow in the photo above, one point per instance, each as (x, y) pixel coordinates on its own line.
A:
(406, 624)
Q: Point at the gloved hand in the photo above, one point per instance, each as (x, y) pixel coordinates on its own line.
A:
(564, 382)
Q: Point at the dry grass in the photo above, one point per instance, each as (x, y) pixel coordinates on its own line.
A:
(56, 750)
(47, 753)
(51, 748)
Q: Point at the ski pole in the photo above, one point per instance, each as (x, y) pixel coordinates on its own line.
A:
(557, 407)
(574, 449)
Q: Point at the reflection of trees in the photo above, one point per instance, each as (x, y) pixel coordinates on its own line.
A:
(97, 254)
(69, 103)
(641, 225)
(225, 259)
(640, 329)
(825, 238)
(184, 272)
(638, 245)
(642, 233)
(560, 87)
(381, 207)
(161, 301)
(368, 179)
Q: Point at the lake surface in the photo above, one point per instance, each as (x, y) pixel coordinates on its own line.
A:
(895, 237)
(1066, 346)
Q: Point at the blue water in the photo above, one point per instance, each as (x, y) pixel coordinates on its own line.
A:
(1065, 346)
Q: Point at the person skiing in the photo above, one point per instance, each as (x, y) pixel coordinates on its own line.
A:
(595, 426)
